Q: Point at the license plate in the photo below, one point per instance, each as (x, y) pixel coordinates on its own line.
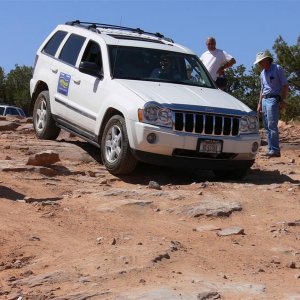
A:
(210, 146)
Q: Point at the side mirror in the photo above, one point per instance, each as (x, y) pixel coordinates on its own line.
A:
(91, 68)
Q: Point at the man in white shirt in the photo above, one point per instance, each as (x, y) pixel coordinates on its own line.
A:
(216, 60)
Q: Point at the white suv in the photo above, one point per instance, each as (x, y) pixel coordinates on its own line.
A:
(139, 97)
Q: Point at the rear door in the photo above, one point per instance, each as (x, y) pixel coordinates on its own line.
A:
(47, 68)
(66, 79)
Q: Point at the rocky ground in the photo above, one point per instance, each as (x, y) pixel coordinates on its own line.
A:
(70, 230)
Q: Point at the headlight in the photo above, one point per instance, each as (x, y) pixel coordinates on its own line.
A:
(249, 124)
(155, 115)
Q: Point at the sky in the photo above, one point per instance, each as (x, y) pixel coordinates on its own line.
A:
(241, 27)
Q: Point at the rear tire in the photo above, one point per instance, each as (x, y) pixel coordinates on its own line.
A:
(115, 149)
(231, 174)
(43, 123)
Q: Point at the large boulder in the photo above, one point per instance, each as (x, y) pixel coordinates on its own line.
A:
(44, 158)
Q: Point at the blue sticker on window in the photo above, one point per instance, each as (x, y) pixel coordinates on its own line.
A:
(63, 84)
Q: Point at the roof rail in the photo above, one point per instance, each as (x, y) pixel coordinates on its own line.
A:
(93, 26)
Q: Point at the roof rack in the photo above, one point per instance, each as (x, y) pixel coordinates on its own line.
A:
(94, 26)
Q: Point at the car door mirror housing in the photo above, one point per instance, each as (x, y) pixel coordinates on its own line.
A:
(91, 68)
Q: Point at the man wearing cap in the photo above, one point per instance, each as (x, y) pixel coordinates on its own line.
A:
(274, 90)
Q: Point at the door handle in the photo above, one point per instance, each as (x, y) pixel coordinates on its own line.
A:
(76, 80)
(54, 70)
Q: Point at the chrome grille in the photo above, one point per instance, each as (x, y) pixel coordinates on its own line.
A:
(206, 123)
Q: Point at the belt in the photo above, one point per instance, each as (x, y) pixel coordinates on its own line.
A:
(270, 96)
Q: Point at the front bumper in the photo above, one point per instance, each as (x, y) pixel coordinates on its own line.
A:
(170, 143)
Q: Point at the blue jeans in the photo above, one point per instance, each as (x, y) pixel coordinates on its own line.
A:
(270, 110)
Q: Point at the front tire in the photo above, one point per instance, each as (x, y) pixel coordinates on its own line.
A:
(115, 149)
(43, 123)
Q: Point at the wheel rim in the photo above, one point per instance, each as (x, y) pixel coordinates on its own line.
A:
(41, 114)
(113, 144)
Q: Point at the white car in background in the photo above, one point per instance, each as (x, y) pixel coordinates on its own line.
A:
(6, 109)
(107, 84)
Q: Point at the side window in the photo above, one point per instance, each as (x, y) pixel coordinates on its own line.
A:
(21, 112)
(92, 54)
(1, 111)
(71, 49)
(53, 44)
(11, 111)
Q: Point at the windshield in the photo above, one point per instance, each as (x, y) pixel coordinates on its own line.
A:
(157, 65)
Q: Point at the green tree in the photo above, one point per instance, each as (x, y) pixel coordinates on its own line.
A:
(244, 86)
(17, 86)
(289, 58)
(2, 85)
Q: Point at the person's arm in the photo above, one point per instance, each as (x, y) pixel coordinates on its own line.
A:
(284, 93)
(259, 103)
(229, 63)
(285, 87)
(226, 65)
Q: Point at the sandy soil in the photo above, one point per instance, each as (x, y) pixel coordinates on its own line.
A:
(73, 231)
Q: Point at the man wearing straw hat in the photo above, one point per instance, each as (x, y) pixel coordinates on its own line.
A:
(274, 90)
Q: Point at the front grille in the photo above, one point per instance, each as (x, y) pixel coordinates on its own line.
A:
(206, 123)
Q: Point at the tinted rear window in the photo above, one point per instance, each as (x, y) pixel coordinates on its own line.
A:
(71, 49)
(53, 44)
(11, 111)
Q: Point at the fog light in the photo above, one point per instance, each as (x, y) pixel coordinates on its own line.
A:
(255, 147)
(151, 138)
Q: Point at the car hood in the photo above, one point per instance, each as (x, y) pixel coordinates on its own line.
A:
(179, 94)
